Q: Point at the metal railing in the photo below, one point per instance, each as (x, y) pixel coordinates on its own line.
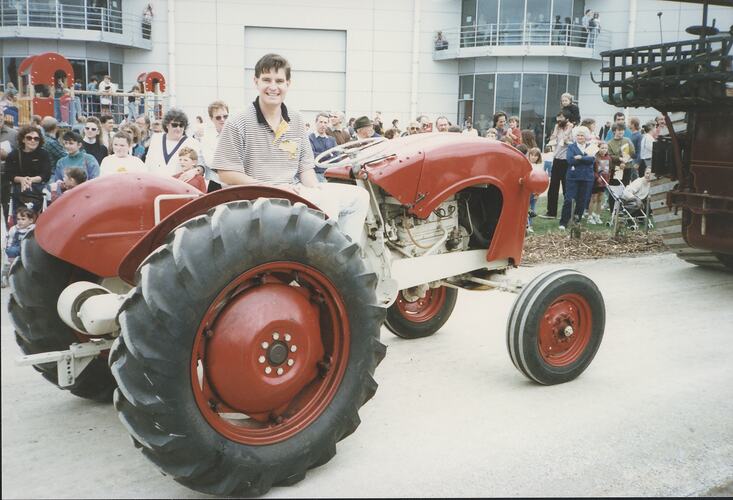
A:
(30, 14)
(521, 34)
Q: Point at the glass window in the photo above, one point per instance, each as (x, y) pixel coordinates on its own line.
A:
(98, 69)
(465, 87)
(511, 17)
(116, 74)
(12, 13)
(465, 112)
(556, 86)
(561, 20)
(508, 89)
(578, 10)
(484, 102)
(10, 69)
(488, 15)
(538, 11)
(80, 71)
(71, 14)
(574, 85)
(534, 90)
(41, 13)
(468, 23)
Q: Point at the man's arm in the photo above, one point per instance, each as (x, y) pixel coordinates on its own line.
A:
(233, 178)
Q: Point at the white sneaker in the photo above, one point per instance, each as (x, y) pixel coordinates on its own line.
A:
(562, 228)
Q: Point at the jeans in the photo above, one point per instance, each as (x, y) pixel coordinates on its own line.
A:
(345, 203)
(575, 190)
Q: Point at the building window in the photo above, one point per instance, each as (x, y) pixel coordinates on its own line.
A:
(534, 97)
(98, 69)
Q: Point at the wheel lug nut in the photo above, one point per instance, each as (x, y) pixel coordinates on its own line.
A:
(293, 348)
(265, 345)
(261, 359)
(268, 370)
(291, 362)
(275, 336)
(280, 371)
(287, 337)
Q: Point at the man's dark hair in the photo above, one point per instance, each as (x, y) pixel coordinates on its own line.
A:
(617, 114)
(106, 118)
(71, 136)
(618, 126)
(565, 114)
(272, 61)
(76, 173)
(175, 115)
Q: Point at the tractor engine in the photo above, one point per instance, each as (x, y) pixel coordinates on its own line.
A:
(414, 237)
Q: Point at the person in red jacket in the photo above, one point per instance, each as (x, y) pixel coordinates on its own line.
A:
(190, 171)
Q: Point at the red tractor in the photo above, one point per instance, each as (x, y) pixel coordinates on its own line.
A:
(238, 331)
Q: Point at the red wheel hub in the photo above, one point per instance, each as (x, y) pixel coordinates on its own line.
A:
(565, 330)
(270, 353)
(423, 309)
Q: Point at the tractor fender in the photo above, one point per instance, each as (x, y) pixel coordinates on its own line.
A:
(95, 224)
(155, 237)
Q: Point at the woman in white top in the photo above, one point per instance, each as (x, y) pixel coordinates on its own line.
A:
(121, 161)
(162, 157)
(646, 148)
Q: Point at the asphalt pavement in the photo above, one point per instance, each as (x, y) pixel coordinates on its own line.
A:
(651, 416)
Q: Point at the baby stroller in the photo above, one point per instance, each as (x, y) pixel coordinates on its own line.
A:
(630, 214)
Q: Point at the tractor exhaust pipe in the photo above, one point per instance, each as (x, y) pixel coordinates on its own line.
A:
(89, 308)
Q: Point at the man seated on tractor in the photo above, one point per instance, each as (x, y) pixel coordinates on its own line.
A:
(267, 144)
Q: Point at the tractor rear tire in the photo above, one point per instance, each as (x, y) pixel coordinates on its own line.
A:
(423, 317)
(36, 281)
(556, 326)
(196, 363)
(668, 222)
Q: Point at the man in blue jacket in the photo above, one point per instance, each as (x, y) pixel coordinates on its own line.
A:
(321, 142)
(579, 176)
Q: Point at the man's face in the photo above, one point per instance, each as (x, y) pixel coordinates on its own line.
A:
(120, 147)
(219, 117)
(72, 147)
(648, 176)
(365, 132)
(414, 128)
(175, 130)
(156, 126)
(621, 120)
(335, 120)
(442, 125)
(272, 86)
(561, 120)
(321, 125)
(109, 125)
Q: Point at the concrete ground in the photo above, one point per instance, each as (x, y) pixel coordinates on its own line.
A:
(452, 417)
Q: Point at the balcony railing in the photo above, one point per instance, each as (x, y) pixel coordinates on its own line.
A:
(517, 38)
(44, 20)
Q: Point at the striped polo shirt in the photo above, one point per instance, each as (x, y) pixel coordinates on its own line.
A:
(248, 144)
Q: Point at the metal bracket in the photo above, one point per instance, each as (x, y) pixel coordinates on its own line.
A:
(69, 363)
(505, 285)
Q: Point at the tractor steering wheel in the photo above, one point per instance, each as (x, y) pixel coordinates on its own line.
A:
(344, 154)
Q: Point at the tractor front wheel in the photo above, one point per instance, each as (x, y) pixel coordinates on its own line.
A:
(556, 326)
(247, 347)
(417, 317)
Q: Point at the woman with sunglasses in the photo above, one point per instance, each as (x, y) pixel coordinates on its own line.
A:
(91, 142)
(162, 157)
(29, 168)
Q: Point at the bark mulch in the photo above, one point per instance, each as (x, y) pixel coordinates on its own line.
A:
(557, 246)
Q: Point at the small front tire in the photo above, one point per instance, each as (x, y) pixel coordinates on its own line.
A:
(556, 326)
(422, 317)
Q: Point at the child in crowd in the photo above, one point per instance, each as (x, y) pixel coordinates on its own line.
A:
(190, 171)
(492, 134)
(534, 156)
(601, 172)
(514, 131)
(547, 158)
(25, 220)
(72, 177)
(121, 160)
(76, 157)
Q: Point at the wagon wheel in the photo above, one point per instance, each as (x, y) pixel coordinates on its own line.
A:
(556, 326)
(248, 347)
(36, 281)
(413, 318)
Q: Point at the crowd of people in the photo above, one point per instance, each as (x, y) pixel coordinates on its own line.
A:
(40, 162)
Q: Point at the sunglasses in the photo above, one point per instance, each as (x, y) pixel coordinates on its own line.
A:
(221, 117)
(34, 138)
(175, 125)
(414, 128)
(93, 129)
